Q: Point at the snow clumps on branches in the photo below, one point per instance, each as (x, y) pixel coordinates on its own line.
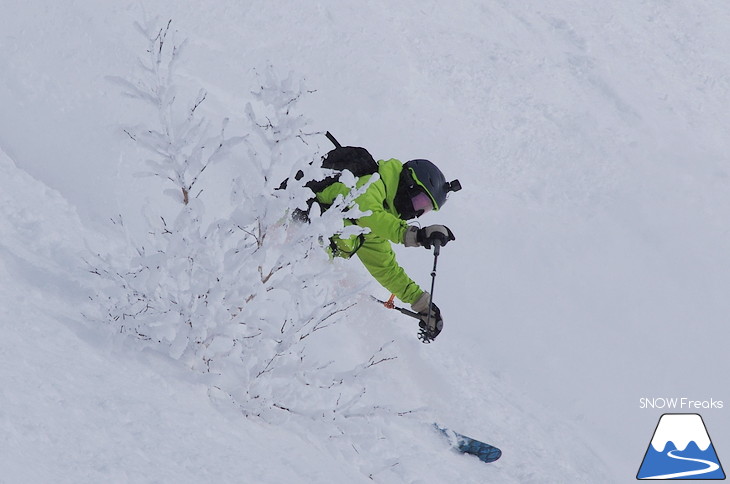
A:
(241, 294)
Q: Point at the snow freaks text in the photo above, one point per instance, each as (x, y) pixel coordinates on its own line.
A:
(679, 403)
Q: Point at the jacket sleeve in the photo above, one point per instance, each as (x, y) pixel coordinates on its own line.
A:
(378, 258)
(376, 253)
(381, 223)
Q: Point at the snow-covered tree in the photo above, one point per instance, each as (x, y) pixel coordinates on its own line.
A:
(240, 294)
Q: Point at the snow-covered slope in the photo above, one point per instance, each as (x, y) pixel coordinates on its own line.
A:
(82, 405)
(79, 406)
(590, 267)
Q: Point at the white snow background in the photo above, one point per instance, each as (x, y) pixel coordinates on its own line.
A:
(591, 266)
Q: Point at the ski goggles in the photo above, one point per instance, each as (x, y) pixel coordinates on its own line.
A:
(421, 203)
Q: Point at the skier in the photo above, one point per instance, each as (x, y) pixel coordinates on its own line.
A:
(405, 191)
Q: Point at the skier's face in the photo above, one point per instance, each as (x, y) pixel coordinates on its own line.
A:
(421, 204)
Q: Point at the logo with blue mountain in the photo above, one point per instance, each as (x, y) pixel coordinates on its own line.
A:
(681, 449)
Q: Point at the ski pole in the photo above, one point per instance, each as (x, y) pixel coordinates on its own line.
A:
(436, 252)
(390, 305)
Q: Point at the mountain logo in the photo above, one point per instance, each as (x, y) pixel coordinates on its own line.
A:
(680, 449)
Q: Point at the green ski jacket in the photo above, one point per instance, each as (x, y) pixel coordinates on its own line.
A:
(374, 248)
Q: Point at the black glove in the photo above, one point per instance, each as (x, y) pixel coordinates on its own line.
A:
(427, 235)
(431, 325)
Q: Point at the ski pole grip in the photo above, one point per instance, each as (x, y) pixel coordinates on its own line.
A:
(333, 140)
(436, 246)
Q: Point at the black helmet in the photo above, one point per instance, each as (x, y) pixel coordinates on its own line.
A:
(421, 177)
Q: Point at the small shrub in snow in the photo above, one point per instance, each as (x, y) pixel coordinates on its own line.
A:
(241, 294)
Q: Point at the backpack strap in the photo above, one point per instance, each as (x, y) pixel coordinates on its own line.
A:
(337, 252)
(333, 140)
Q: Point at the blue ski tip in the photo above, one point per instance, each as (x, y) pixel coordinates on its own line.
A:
(466, 445)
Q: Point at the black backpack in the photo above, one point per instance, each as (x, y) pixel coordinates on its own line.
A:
(354, 159)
